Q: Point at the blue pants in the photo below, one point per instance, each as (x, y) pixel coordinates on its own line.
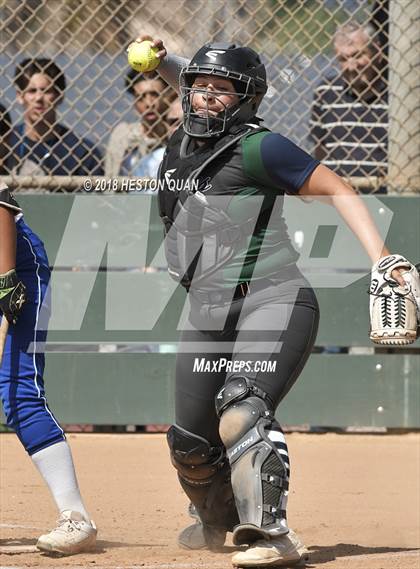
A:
(22, 370)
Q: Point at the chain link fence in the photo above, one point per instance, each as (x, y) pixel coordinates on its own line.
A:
(344, 84)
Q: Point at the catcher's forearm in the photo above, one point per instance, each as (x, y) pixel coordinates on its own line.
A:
(327, 186)
(170, 68)
(354, 212)
(7, 240)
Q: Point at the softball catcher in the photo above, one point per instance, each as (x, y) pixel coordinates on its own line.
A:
(227, 244)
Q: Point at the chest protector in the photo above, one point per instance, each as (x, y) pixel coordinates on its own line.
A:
(200, 236)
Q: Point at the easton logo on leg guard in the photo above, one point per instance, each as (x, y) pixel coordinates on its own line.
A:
(240, 447)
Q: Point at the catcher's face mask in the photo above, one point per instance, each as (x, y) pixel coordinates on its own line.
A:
(210, 70)
(211, 104)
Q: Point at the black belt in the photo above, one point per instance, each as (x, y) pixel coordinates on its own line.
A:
(244, 289)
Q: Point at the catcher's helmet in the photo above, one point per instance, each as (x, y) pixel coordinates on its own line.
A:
(243, 66)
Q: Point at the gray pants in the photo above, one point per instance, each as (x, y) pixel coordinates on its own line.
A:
(276, 325)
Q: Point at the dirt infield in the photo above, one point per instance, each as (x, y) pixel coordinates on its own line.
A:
(355, 501)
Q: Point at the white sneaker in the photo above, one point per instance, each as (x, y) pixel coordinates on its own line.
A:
(279, 552)
(73, 534)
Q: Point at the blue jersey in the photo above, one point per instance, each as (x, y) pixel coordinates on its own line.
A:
(22, 369)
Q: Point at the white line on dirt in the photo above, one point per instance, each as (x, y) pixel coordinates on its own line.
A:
(17, 549)
(19, 526)
(217, 564)
(193, 565)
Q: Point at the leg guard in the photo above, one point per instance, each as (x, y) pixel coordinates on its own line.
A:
(204, 474)
(258, 457)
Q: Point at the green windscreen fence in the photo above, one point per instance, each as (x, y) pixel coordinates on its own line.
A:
(116, 315)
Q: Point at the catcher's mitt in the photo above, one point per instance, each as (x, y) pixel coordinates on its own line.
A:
(394, 310)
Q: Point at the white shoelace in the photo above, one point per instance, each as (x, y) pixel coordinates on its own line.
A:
(73, 524)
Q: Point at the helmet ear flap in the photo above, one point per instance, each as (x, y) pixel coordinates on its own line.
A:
(256, 101)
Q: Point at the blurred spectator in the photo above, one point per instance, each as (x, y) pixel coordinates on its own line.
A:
(174, 116)
(349, 119)
(42, 146)
(380, 21)
(148, 165)
(137, 148)
(5, 131)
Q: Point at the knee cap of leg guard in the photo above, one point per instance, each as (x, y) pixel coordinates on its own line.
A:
(236, 389)
(239, 418)
(193, 456)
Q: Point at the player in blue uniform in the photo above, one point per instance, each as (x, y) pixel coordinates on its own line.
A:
(24, 278)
